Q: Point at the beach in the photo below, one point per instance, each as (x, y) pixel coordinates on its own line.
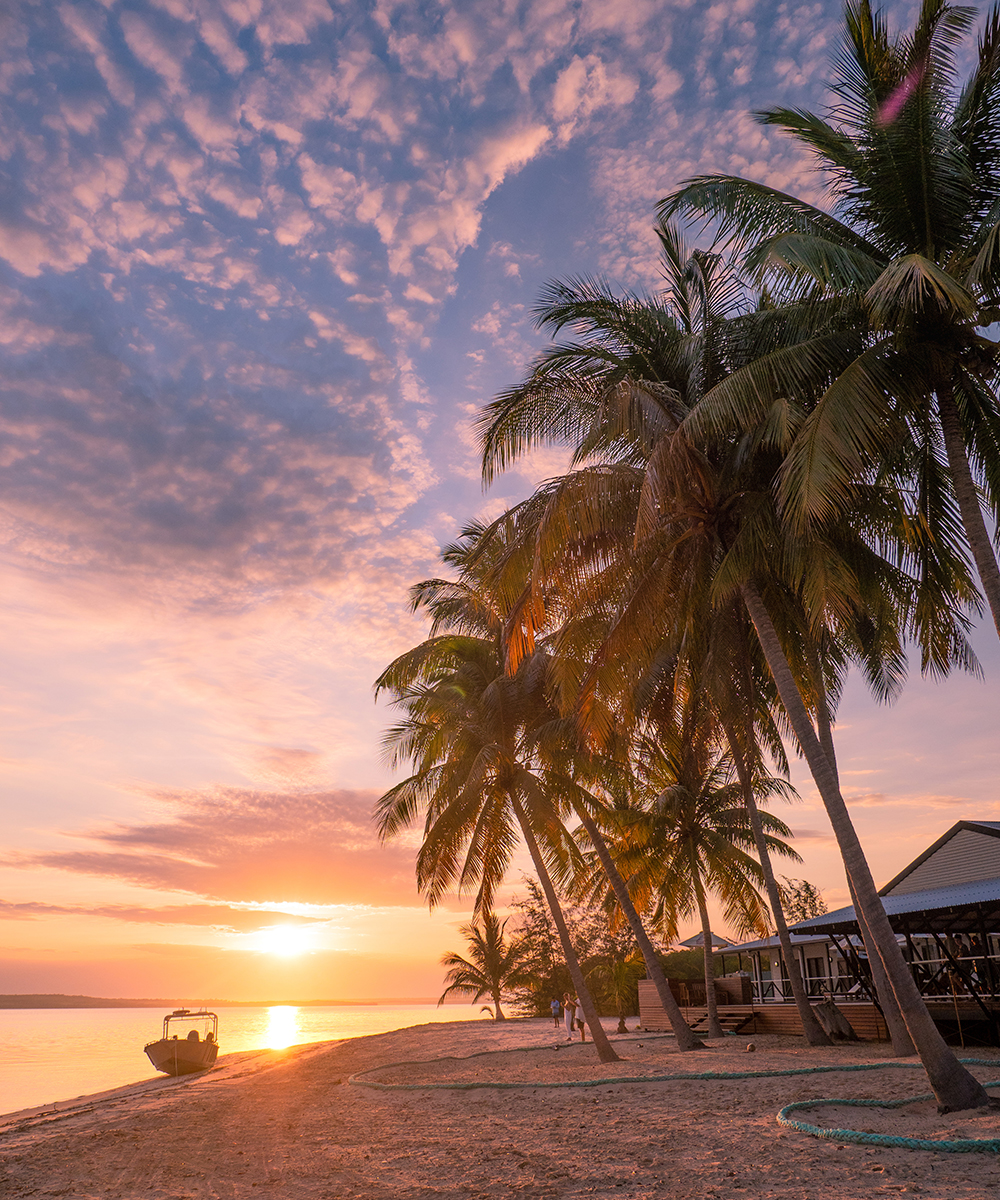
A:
(288, 1124)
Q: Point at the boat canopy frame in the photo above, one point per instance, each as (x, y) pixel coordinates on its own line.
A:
(188, 1014)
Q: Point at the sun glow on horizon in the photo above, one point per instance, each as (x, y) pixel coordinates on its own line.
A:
(285, 941)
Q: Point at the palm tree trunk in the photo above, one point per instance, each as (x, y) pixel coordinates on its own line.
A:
(605, 1051)
(498, 1013)
(968, 500)
(816, 1035)
(683, 1035)
(902, 1043)
(715, 1030)
(899, 1035)
(954, 1088)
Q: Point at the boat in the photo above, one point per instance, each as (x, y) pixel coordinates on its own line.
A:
(196, 1050)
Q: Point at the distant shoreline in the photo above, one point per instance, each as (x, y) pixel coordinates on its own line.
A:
(58, 1000)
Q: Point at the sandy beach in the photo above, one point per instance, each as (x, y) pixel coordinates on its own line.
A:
(288, 1124)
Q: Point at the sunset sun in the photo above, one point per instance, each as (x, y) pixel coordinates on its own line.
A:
(284, 941)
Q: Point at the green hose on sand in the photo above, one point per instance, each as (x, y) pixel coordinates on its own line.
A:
(857, 1137)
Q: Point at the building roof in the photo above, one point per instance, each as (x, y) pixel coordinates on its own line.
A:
(967, 852)
(696, 942)
(771, 943)
(953, 887)
(960, 908)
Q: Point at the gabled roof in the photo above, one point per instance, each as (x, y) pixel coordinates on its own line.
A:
(969, 851)
(696, 942)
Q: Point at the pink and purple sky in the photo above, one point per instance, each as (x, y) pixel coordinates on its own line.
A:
(260, 263)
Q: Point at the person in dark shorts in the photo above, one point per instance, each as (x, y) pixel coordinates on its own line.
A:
(556, 1009)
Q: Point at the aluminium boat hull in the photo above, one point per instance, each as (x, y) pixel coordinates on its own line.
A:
(178, 1056)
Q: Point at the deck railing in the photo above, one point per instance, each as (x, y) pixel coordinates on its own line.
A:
(973, 975)
(779, 991)
(979, 975)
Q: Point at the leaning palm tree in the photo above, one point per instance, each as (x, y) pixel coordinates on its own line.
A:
(471, 731)
(494, 965)
(913, 246)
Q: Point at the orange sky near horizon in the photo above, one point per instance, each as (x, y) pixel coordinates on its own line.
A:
(261, 263)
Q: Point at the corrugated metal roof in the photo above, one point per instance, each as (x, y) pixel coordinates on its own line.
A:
(959, 895)
(771, 943)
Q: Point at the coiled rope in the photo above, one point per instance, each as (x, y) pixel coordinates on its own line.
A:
(896, 1141)
(857, 1137)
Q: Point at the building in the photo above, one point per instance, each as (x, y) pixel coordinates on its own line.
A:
(945, 910)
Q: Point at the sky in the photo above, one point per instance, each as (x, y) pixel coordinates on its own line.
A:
(261, 262)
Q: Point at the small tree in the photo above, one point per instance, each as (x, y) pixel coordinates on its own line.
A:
(545, 972)
(615, 981)
(687, 964)
(801, 900)
(494, 966)
(601, 948)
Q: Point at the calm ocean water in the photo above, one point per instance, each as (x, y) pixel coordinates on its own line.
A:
(59, 1054)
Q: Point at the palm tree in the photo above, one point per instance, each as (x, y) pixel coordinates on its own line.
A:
(472, 732)
(696, 837)
(591, 811)
(743, 704)
(620, 392)
(493, 967)
(616, 977)
(913, 245)
(694, 527)
(953, 1086)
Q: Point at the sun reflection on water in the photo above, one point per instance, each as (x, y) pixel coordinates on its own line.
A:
(282, 1026)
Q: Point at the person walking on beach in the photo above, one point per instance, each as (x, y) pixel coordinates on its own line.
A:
(556, 1009)
(569, 1010)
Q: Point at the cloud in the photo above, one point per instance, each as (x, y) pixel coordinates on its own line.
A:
(583, 87)
(200, 973)
(158, 48)
(89, 30)
(858, 799)
(812, 835)
(223, 404)
(214, 464)
(235, 844)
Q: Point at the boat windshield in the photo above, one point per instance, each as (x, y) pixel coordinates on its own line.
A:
(200, 1026)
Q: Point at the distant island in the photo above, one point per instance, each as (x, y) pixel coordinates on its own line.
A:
(57, 1000)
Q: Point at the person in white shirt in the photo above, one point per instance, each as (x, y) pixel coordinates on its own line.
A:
(569, 1011)
(581, 1024)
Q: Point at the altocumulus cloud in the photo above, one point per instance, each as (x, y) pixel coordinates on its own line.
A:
(228, 228)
